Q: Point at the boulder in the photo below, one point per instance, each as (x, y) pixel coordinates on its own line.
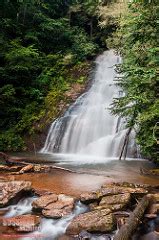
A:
(116, 199)
(112, 202)
(23, 223)
(62, 207)
(111, 189)
(54, 206)
(43, 201)
(114, 190)
(12, 191)
(89, 197)
(95, 221)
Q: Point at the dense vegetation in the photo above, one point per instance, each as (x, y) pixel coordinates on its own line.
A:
(44, 44)
(40, 41)
(137, 41)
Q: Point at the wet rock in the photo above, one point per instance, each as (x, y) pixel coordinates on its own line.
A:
(113, 208)
(62, 207)
(114, 190)
(113, 202)
(54, 206)
(95, 221)
(89, 197)
(12, 191)
(42, 192)
(111, 189)
(115, 199)
(23, 223)
(43, 201)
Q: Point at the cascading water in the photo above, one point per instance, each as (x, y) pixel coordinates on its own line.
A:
(88, 127)
(49, 229)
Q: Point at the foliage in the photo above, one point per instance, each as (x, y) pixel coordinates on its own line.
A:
(39, 42)
(137, 42)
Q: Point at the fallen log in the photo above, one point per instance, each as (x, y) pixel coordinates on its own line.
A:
(27, 166)
(127, 230)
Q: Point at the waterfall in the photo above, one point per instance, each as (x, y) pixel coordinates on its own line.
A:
(88, 127)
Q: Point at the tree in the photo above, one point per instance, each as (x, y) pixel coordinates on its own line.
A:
(137, 42)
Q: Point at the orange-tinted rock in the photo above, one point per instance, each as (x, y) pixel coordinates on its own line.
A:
(44, 201)
(23, 223)
(95, 221)
(110, 189)
(89, 197)
(62, 207)
(115, 199)
(54, 206)
(12, 191)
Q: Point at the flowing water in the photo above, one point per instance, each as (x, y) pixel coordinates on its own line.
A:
(87, 136)
(88, 128)
(49, 229)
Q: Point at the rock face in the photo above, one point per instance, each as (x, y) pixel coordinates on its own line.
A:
(54, 206)
(11, 191)
(23, 223)
(95, 221)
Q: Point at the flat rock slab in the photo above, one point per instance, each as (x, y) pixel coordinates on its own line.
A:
(116, 199)
(44, 201)
(108, 190)
(95, 221)
(23, 223)
(54, 206)
(12, 190)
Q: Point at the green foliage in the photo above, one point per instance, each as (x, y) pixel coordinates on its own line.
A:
(40, 41)
(137, 42)
(11, 141)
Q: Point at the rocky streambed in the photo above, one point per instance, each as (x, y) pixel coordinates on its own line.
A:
(29, 212)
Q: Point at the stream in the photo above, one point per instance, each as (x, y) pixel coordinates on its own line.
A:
(88, 140)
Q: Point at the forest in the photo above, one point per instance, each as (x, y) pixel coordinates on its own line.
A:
(79, 126)
(44, 43)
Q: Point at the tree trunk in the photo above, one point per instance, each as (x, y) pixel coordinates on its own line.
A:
(24, 162)
(125, 143)
(127, 230)
(91, 28)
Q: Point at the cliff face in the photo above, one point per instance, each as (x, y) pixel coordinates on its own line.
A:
(53, 108)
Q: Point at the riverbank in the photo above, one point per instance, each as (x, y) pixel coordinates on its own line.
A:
(46, 205)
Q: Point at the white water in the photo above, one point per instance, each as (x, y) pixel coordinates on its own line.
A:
(88, 127)
(49, 229)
